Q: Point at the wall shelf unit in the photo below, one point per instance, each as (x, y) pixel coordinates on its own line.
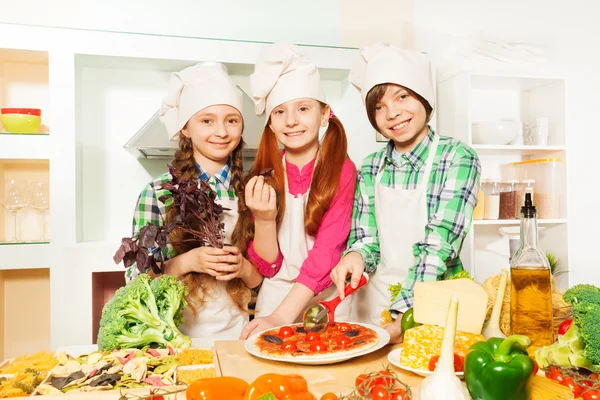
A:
(471, 97)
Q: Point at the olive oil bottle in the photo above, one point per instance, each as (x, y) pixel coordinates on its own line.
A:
(531, 287)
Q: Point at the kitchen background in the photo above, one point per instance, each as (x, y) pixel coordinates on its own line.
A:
(114, 101)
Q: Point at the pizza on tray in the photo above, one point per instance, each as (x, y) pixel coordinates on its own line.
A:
(294, 341)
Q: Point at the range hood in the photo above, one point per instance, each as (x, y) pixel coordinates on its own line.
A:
(151, 141)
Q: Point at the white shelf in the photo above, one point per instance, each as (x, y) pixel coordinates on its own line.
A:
(26, 256)
(485, 149)
(23, 147)
(517, 221)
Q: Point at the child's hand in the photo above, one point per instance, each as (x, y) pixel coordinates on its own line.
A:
(235, 268)
(352, 264)
(211, 261)
(261, 199)
(260, 324)
(395, 330)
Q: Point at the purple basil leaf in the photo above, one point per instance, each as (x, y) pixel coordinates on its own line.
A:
(148, 235)
(129, 259)
(142, 259)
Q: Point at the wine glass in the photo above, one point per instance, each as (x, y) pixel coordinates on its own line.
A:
(40, 201)
(14, 200)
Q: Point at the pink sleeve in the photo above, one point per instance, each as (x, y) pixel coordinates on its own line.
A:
(332, 235)
(267, 269)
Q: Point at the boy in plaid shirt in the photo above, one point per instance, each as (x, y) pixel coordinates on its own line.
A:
(414, 199)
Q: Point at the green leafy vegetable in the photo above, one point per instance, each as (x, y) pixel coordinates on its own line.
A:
(394, 290)
(461, 274)
(143, 313)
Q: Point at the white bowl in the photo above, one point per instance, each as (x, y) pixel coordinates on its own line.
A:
(494, 132)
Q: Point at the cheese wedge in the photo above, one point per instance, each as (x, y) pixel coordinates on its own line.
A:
(432, 298)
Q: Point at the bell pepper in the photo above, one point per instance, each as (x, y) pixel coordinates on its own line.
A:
(499, 369)
(224, 387)
(280, 387)
(408, 320)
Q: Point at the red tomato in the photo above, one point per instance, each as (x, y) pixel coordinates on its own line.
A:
(592, 395)
(379, 392)
(157, 398)
(433, 362)
(312, 336)
(556, 375)
(317, 345)
(343, 340)
(459, 363)
(594, 377)
(398, 394)
(290, 345)
(536, 367)
(344, 327)
(564, 327)
(575, 388)
(587, 383)
(385, 379)
(286, 332)
(329, 396)
(361, 385)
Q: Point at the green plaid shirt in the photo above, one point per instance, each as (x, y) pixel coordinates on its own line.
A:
(451, 198)
(150, 210)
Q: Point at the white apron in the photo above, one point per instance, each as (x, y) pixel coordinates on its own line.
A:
(401, 217)
(294, 245)
(219, 316)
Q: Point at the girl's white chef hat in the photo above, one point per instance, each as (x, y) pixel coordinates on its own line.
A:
(195, 88)
(283, 73)
(384, 63)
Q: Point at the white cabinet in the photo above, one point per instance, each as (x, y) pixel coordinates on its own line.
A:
(469, 98)
(100, 88)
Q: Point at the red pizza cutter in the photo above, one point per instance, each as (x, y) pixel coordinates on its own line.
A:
(317, 317)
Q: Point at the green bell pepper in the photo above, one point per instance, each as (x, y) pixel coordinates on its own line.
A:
(408, 320)
(499, 369)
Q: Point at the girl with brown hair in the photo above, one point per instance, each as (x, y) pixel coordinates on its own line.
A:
(297, 217)
(203, 112)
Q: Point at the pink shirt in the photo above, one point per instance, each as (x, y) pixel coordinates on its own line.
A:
(331, 237)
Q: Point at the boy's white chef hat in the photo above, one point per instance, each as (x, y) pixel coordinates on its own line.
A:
(384, 63)
(283, 73)
(195, 88)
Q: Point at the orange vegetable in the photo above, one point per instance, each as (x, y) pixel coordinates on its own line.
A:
(283, 387)
(225, 387)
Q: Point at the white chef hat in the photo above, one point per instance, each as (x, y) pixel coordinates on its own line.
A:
(384, 63)
(283, 73)
(195, 88)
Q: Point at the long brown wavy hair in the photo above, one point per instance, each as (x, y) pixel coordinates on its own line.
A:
(199, 284)
(323, 187)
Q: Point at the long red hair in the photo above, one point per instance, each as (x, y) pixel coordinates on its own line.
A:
(323, 187)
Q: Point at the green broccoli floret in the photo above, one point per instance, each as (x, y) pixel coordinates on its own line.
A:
(461, 274)
(140, 314)
(170, 293)
(584, 293)
(580, 345)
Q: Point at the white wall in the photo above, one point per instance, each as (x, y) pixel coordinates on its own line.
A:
(571, 35)
(309, 21)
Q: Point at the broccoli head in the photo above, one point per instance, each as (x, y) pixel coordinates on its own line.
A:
(584, 293)
(580, 345)
(143, 313)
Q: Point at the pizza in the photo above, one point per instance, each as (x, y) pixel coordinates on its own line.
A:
(293, 341)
